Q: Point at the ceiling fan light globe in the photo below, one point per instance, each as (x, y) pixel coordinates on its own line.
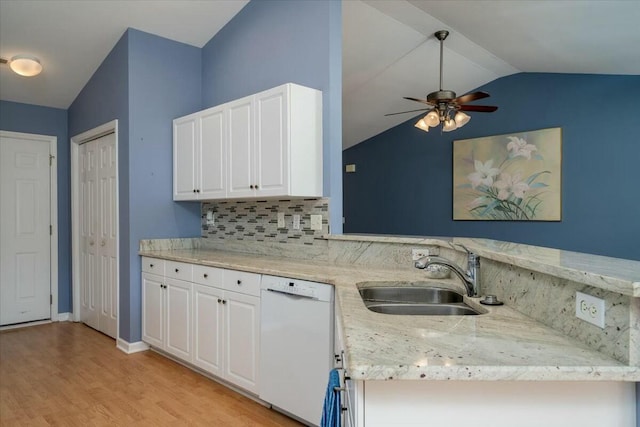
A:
(420, 124)
(432, 118)
(449, 125)
(461, 119)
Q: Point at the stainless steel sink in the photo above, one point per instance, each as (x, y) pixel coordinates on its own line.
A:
(415, 300)
(460, 309)
(431, 295)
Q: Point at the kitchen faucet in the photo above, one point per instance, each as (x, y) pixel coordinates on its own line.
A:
(470, 278)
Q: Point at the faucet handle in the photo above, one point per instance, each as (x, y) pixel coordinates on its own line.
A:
(453, 245)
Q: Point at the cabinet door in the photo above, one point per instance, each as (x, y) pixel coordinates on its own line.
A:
(240, 145)
(185, 146)
(242, 336)
(211, 159)
(272, 142)
(178, 318)
(152, 310)
(207, 329)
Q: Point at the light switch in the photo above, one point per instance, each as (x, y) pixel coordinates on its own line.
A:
(211, 219)
(350, 168)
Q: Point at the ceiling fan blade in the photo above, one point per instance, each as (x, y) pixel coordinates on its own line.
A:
(479, 108)
(471, 97)
(424, 101)
(410, 111)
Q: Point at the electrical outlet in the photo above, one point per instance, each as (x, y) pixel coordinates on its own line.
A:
(590, 309)
(211, 218)
(316, 222)
(296, 222)
(418, 253)
(281, 220)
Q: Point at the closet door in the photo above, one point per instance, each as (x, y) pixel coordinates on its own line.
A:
(88, 234)
(98, 225)
(106, 219)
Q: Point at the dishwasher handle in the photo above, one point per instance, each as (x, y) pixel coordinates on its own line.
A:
(291, 294)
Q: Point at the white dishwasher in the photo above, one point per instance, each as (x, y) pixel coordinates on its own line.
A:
(296, 345)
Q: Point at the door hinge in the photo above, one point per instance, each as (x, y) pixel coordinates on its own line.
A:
(51, 157)
(50, 299)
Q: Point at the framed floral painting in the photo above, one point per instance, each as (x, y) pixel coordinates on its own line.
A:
(511, 177)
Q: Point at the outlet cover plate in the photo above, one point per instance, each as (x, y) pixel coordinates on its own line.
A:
(590, 309)
(316, 222)
(281, 220)
(296, 222)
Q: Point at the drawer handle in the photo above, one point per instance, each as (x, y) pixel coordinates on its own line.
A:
(206, 275)
(239, 282)
(177, 270)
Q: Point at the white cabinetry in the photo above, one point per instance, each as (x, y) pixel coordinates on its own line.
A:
(199, 166)
(206, 316)
(264, 145)
(166, 307)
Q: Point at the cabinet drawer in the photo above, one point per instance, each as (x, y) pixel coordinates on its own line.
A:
(211, 276)
(242, 282)
(179, 270)
(153, 266)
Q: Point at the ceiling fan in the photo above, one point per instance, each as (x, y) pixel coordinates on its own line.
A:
(444, 106)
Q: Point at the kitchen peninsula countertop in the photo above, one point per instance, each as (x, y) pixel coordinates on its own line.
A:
(499, 345)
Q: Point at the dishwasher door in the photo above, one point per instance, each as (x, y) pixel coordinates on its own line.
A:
(296, 350)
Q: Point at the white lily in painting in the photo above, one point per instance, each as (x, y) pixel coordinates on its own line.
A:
(508, 184)
(519, 147)
(484, 173)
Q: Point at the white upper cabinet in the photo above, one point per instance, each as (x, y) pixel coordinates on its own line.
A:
(199, 167)
(264, 145)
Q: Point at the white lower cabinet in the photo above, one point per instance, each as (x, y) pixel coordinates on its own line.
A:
(166, 314)
(211, 321)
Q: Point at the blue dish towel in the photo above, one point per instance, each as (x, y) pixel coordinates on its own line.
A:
(331, 408)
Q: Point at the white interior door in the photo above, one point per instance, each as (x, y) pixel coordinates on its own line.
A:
(107, 227)
(88, 223)
(98, 231)
(25, 219)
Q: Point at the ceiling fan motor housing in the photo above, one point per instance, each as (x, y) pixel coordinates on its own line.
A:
(441, 95)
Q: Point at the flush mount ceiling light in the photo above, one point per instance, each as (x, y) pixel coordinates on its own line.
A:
(25, 65)
(444, 107)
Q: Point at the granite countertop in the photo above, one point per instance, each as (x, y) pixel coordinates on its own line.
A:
(499, 345)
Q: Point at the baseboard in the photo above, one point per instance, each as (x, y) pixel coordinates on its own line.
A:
(64, 317)
(131, 348)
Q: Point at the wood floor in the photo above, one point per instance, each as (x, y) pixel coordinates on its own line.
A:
(67, 374)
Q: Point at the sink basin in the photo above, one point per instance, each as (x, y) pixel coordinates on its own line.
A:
(431, 295)
(415, 300)
(459, 309)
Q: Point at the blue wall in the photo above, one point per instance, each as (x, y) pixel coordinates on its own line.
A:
(137, 85)
(159, 91)
(16, 117)
(274, 42)
(403, 183)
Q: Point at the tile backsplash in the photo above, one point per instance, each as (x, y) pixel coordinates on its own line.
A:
(257, 220)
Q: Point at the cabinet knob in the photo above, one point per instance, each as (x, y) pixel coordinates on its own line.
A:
(239, 282)
(197, 191)
(224, 301)
(251, 186)
(219, 300)
(205, 275)
(194, 190)
(177, 270)
(255, 186)
(151, 265)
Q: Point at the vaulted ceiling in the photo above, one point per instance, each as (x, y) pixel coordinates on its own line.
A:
(388, 46)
